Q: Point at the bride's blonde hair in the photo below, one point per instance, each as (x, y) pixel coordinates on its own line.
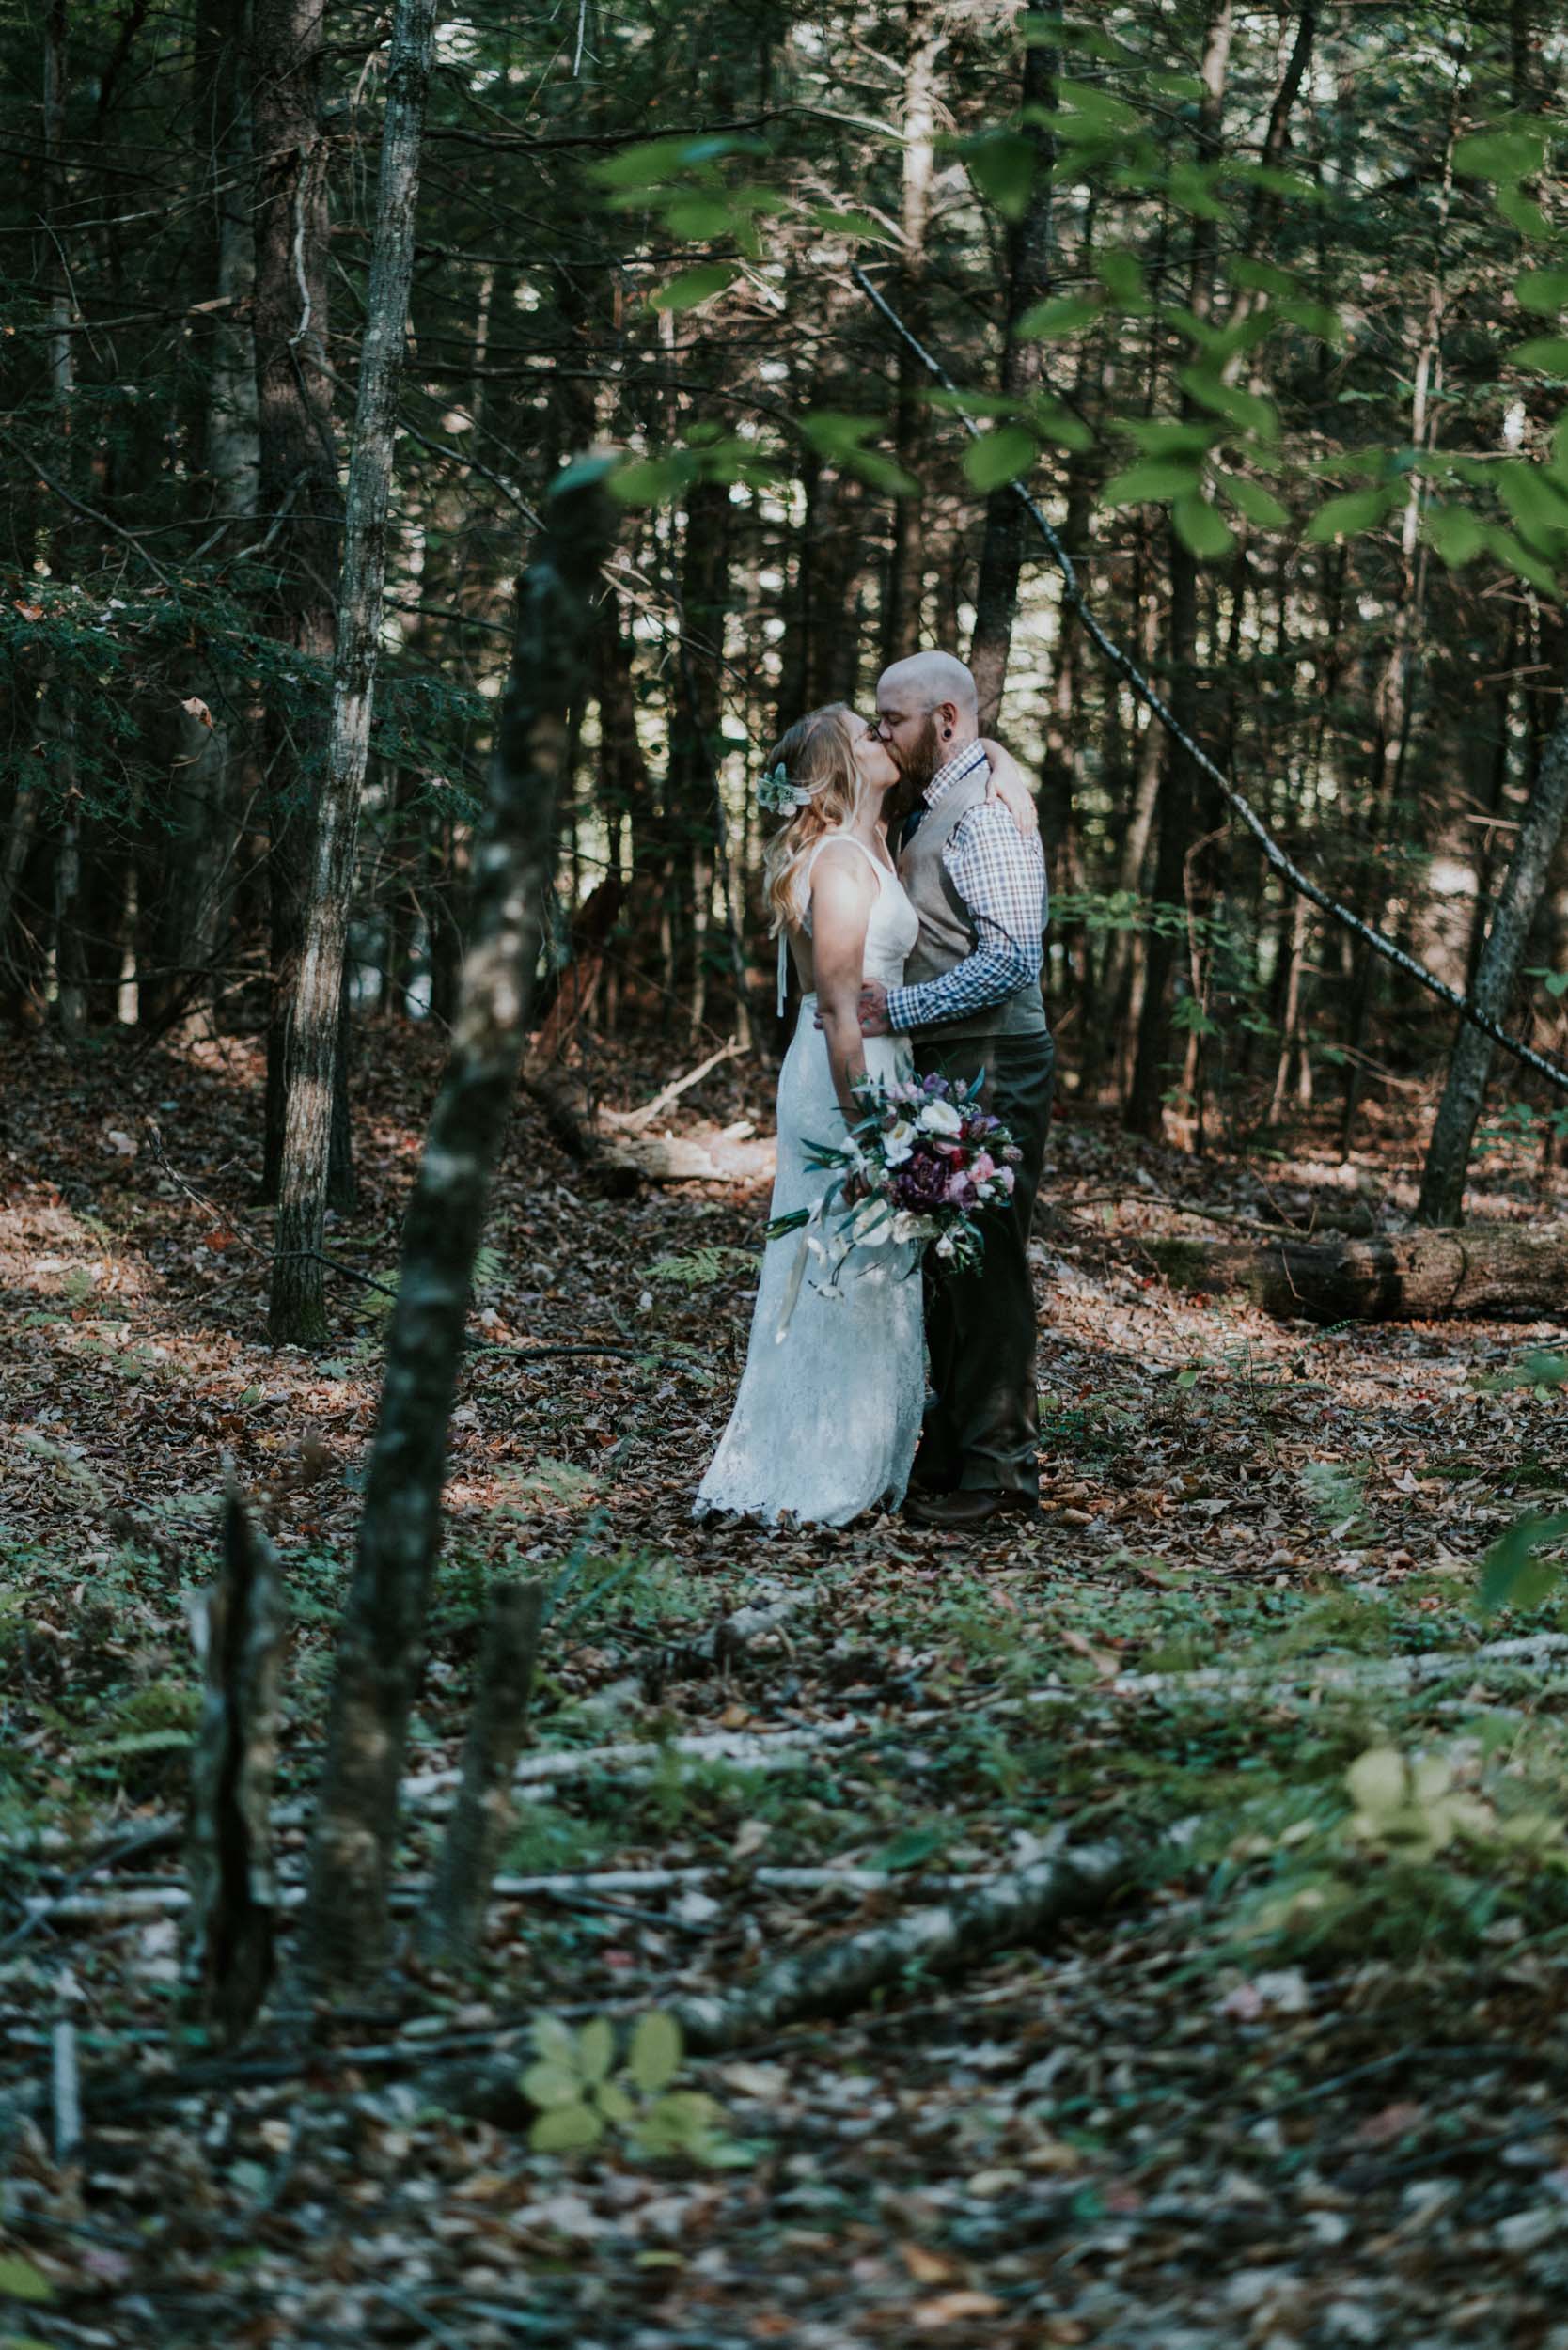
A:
(816, 756)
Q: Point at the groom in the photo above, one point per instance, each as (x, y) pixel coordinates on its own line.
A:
(972, 1004)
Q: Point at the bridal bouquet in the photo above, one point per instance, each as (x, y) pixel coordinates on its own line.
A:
(924, 1164)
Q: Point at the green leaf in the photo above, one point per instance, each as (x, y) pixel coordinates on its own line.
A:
(1193, 189)
(699, 216)
(1141, 484)
(1546, 353)
(1504, 154)
(840, 439)
(1202, 529)
(1250, 498)
(848, 224)
(596, 2048)
(1122, 274)
(566, 2130)
(1357, 510)
(1054, 423)
(1063, 315)
(1273, 181)
(1378, 1782)
(613, 2103)
(1543, 289)
(21, 2281)
(974, 404)
(1001, 165)
(646, 481)
(556, 2042)
(1167, 436)
(1187, 86)
(1097, 105)
(1457, 534)
(911, 1847)
(1249, 409)
(693, 286)
(546, 2085)
(999, 457)
(655, 2052)
(1532, 497)
(1516, 208)
(1261, 276)
(1512, 551)
(1510, 1575)
(1314, 318)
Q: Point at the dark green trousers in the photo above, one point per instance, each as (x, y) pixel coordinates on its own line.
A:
(983, 1428)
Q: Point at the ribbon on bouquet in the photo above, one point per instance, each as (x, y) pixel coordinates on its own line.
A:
(869, 1224)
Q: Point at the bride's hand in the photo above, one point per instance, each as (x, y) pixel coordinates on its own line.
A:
(1005, 783)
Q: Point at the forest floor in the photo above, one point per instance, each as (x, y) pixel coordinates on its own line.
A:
(1302, 2082)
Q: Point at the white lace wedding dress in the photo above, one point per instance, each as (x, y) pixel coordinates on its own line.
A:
(826, 1421)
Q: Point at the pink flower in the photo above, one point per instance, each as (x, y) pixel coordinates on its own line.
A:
(957, 1187)
(1005, 1177)
(983, 1165)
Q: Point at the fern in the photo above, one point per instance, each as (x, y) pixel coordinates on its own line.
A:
(703, 1267)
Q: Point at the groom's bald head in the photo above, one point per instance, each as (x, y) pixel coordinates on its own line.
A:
(927, 709)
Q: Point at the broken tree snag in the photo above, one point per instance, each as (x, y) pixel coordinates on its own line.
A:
(1501, 1272)
(508, 1659)
(238, 1626)
(381, 1644)
(944, 1941)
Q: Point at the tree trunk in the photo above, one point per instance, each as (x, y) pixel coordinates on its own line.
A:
(1503, 1272)
(297, 491)
(1028, 280)
(1448, 1157)
(298, 1305)
(1178, 801)
(455, 1913)
(381, 1639)
(900, 612)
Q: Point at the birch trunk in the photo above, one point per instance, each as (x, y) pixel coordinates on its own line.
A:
(382, 1638)
(298, 1305)
(1028, 280)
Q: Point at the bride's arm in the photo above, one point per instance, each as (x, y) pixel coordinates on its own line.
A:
(841, 909)
(1008, 784)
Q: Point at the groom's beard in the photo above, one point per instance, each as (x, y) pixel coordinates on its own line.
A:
(917, 763)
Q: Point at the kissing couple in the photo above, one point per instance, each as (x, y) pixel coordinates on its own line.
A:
(908, 879)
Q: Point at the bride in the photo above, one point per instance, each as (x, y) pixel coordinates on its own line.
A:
(828, 1413)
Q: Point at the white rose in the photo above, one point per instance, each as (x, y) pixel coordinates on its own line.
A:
(940, 1117)
(898, 1143)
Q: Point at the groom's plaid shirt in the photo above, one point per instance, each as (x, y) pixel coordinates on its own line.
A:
(1000, 877)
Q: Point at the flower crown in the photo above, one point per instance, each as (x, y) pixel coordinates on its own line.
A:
(776, 793)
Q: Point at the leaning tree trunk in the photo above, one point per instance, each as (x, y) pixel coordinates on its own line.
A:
(297, 492)
(1029, 278)
(298, 1306)
(381, 1645)
(1448, 1157)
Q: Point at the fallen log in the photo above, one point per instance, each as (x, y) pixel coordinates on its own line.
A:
(1498, 1272)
